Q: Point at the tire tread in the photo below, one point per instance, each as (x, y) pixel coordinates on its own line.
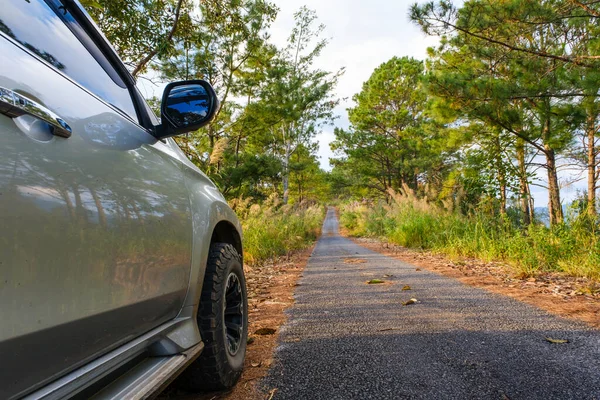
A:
(210, 371)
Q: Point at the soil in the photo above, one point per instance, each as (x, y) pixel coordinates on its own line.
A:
(570, 297)
(270, 293)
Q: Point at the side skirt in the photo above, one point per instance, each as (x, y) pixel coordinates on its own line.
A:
(154, 359)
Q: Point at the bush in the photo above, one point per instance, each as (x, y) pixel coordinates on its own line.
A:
(572, 248)
(272, 230)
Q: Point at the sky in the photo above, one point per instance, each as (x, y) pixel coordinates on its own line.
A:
(362, 35)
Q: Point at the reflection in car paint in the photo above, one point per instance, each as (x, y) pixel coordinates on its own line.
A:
(57, 45)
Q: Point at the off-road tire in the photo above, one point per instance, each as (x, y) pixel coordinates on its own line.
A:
(217, 368)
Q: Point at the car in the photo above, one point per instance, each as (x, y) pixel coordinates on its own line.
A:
(121, 262)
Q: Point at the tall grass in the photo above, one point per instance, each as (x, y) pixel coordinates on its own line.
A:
(572, 248)
(271, 229)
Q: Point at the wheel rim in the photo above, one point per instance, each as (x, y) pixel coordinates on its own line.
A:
(234, 313)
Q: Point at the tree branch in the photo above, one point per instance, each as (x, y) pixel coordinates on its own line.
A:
(142, 64)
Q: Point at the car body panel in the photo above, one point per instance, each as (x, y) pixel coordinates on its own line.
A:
(96, 240)
(210, 209)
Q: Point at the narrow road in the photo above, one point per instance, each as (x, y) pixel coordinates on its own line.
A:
(346, 339)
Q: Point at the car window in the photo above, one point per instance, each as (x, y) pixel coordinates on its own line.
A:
(37, 27)
(151, 105)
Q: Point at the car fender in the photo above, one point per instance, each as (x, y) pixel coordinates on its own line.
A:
(209, 209)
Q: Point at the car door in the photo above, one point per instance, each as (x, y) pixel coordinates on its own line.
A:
(95, 231)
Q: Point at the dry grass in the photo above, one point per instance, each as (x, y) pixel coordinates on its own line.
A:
(272, 229)
(572, 249)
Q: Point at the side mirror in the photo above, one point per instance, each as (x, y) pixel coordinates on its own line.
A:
(186, 106)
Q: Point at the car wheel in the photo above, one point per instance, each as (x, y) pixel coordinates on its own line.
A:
(223, 323)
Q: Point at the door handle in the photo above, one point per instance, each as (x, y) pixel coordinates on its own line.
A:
(16, 104)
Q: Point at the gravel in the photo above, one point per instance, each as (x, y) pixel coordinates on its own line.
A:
(346, 339)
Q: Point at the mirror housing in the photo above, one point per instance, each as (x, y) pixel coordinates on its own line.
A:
(186, 106)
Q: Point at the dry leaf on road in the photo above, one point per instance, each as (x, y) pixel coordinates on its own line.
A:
(409, 302)
(557, 341)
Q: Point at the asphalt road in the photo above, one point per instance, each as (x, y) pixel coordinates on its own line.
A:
(345, 339)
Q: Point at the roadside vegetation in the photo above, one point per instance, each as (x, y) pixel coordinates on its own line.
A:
(272, 229)
(416, 223)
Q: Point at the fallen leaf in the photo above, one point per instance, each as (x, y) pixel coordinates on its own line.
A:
(409, 302)
(354, 261)
(265, 331)
(250, 340)
(417, 269)
(406, 287)
(256, 364)
(375, 281)
(557, 341)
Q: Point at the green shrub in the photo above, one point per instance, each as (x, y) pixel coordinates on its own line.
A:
(572, 248)
(272, 230)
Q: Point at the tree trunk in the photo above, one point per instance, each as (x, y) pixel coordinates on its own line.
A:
(501, 174)
(502, 186)
(211, 138)
(286, 169)
(523, 183)
(591, 164)
(554, 207)
(237, 150)
(502, 196)
(531, 205)
(285, 188)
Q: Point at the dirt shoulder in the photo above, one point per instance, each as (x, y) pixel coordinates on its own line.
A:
(574, 298)
(270, 293)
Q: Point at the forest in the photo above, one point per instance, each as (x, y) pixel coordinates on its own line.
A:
(441, 154)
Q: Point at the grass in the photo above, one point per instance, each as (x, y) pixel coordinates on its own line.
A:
(271, 229)
(572, 248)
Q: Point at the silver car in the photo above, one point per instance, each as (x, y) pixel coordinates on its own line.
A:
(120, 261)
